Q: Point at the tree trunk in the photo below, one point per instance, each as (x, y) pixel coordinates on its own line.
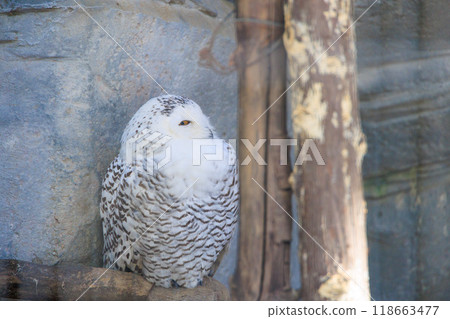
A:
(263, 270)
(324, 108)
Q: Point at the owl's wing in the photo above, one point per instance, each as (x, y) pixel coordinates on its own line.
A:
(119, 220)
(216, 264)
(229, 204)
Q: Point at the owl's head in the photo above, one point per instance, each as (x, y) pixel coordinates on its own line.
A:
(170, 115)
(163, 132)
(182, 118)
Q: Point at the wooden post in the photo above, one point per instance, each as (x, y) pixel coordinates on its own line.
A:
(263, 270)
(325, 109)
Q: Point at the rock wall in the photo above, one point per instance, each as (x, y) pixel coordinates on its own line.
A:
(404, 87)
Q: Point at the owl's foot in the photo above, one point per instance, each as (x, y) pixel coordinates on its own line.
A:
(174, 284)
(200, 282)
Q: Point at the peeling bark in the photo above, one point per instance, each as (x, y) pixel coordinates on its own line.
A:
(325, 108)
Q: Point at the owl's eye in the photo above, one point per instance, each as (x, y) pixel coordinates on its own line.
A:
(184, 122)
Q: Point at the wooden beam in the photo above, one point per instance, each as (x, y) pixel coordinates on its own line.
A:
(263, 270)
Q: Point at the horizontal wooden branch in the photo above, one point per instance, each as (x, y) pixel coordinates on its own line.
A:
(28, 281)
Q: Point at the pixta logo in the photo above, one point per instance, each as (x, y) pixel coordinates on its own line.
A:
(147, 151)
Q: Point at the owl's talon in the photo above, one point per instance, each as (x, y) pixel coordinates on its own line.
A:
(174, 284)
(200, 282)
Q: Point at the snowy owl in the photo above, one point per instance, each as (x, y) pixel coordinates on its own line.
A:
(168, 213)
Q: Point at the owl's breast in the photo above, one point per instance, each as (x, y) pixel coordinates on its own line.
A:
(198, 165)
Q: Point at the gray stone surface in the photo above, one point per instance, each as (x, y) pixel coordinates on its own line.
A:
(66, 93)
(404, 84)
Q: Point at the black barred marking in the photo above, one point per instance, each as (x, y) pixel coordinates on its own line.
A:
(169, 103)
